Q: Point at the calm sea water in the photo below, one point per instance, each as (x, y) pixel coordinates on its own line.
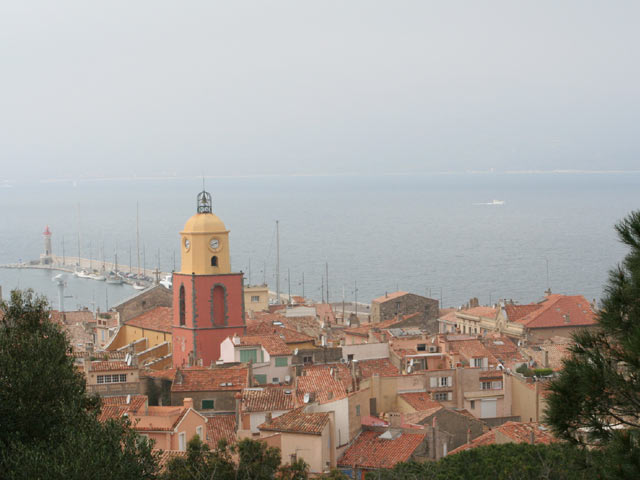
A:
(421, 233)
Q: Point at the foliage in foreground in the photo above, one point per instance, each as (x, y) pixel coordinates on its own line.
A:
(48, 424)
(508, 461)
(596, 398)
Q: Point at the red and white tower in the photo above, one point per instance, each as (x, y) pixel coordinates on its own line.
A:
(208, 300)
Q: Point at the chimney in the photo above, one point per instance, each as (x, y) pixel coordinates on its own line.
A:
(268, 417)
(469, 435)
(395, 419)
(532, 437)
(178, 377)
(546, 359)
(238, 397)
(188, 402)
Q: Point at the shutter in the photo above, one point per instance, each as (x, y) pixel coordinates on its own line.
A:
(434, 382)
(449, 381)
(449, 396)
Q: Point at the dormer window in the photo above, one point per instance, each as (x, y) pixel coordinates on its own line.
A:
(214, 261)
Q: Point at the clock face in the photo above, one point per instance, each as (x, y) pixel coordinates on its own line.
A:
(187, 243)
(213, 243)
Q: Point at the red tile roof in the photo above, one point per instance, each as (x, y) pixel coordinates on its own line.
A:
(166, 456)
(372, 452)
(108, 366)
(561, 311)
(325, 312)
(318, 380)
(273, 344)
(158, 319)
(486, 312)
(151, 420)
(297, 421)
(516, 312)
(221, 427)
(388, 296)
(203, 379)
(163, 374)
(363, 329)
(116, 406)
(472, 348)
(515, 431)
(267, 399)
(290, 335)
(420, 400)
(381, 366)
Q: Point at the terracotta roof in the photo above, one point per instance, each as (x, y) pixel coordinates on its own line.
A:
(267, 399)
(164, 419)
(325, 312)
(381, 366)
(221, 427)
(297, 421)
(515, 431)
(363, 329)
(503, 348)
(116, 406)
(486, 312)
(107, 366)
(158, 319)
(416, 418)
(516, 312)
(449, 316)
(371, 421)
(472, 348)
(318, 380)
(388, 296)
(420, 400)
(556, 353)
(561, 311)
(290, 335)
(203, 379)
(273, 344)
(370, 451)
(72, 318)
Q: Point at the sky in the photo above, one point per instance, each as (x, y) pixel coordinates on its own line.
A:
(173, 88)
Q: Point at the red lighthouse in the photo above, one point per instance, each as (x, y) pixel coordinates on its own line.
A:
(208, 300)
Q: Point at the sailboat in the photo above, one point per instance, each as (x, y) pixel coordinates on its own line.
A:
(114, 278)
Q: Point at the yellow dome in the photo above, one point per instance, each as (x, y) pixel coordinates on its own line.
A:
(204, 223)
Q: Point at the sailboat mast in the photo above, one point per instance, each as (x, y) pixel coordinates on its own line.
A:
(277, 262)
(326, 265)
(138, 234)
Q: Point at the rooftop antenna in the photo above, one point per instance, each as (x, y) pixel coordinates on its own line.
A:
(138, 234)
(326, 266)
(548, 284)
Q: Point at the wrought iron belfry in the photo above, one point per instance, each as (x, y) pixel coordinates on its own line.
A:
(204, 202)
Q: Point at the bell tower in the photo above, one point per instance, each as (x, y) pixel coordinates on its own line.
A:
(208, 299)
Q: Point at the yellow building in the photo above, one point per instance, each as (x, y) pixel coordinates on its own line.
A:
(256, 298)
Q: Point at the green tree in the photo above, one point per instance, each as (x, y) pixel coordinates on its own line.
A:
(596, 397)
(509, 461)
(48, 423)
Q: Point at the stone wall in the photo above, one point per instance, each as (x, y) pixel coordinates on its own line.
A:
(157, 296)
(405, 305)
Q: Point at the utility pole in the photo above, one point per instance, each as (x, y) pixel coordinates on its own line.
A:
(138, 234)
(326, 266)
(277, 262)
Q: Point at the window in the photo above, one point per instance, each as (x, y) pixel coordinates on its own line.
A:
(255, 298)
(496, 385)
(282, 361)
(208, 404)
(275, 380)
(261, 379)
(214, 261)
(350, 357)
(485, 386)
(422, 347)
(182, 305)
(444, 381)
(100, 378)
(357, 410)
(248, 356)
(477, 362)
(199, 432)
(307, 359)
(123, 377)
(473, 404)
(441, 396)
(182, 441)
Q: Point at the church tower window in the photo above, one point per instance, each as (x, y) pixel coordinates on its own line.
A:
(182, 305)
(214, 261)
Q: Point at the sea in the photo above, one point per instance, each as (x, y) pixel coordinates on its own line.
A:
(440, 235)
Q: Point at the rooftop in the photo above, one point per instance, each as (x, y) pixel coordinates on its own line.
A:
(297, 421)
(326, 382)
(380, 366)
(370, 451)
(388, 296)
(560, 311)
(420, 400)
(204, 379)
(158, 319)
(221, 427)
(267, 399)
(273, 344)
(516, 432)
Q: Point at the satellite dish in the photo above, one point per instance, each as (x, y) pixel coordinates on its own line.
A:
(295, 352)
(128, 399)
(411, 362)
(306, 398)
(410, 369)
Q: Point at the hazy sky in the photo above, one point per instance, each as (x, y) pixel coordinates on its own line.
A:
(121, 88)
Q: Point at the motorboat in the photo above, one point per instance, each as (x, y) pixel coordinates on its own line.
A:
(139, 286)
(167, 281)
